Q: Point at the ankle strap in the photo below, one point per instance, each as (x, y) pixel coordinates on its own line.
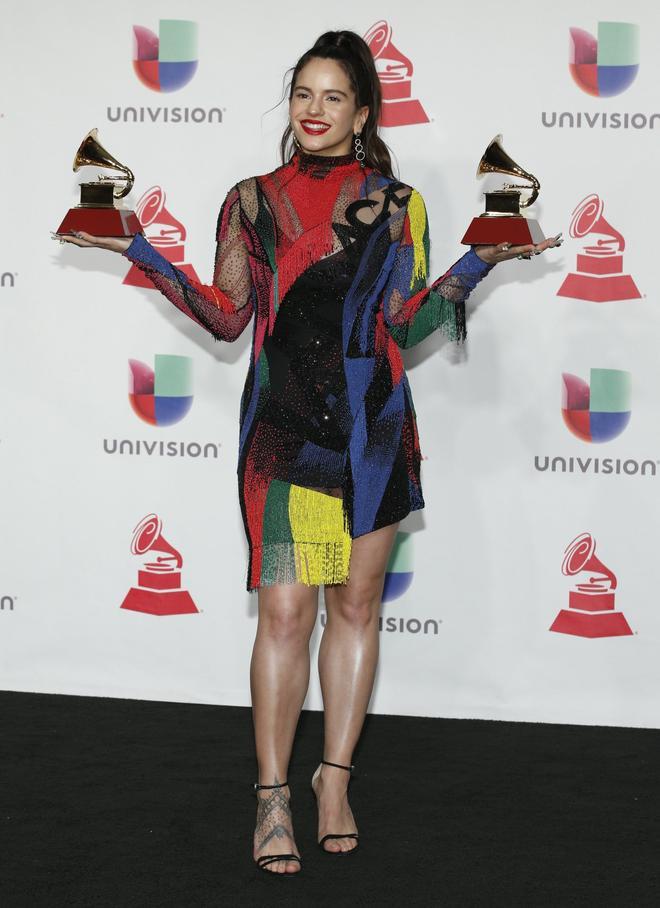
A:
(258, 787)
(338, 765)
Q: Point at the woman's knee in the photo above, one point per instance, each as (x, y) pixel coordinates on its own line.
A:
(356, 605)
(287, 618)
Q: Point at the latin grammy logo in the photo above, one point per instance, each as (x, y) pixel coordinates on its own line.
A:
(164, 232)
(395, 71)
(590, 611)
(158, 590)
(599, 276)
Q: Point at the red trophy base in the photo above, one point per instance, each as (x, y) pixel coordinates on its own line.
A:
(591, 624)
(406, 112)
(491, 230)
(159, 602)
(607, 288)
(101, 221)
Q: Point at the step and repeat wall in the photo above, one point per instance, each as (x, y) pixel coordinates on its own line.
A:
(526, 588)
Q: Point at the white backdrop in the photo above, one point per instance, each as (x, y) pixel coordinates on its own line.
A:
(470, 637)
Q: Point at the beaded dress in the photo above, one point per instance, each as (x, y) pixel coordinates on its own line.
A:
(331, 260)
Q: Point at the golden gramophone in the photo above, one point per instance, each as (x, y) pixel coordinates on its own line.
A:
(97, 213)
(502, 220)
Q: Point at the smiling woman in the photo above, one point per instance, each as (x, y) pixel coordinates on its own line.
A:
(329, 252)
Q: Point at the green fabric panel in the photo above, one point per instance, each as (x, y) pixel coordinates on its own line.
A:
(277, 527)
(436, 312)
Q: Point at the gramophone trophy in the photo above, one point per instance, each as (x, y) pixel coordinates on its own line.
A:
(590, 611)
(599, 275)
(395, 71)
(97, 213)
(158, 591)
(502, 221)
(165, 233)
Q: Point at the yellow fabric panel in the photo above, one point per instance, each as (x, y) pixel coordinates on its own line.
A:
(322, 543)
(417, 220)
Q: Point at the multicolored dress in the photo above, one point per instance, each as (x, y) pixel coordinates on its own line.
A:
(331, 259)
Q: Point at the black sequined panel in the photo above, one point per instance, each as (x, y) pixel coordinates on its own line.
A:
(305, 362)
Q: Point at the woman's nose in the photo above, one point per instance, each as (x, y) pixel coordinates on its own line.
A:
(315, 106)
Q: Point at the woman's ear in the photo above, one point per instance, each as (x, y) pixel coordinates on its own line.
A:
(360, 119)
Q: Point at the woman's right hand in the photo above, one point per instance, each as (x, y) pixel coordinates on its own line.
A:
(80, 238)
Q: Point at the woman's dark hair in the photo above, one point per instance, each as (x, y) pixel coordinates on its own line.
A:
(353, 54)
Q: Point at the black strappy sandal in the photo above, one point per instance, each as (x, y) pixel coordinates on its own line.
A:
(336, 835)
(264, 860)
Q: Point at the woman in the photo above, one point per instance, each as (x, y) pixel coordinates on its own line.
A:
(329, 252)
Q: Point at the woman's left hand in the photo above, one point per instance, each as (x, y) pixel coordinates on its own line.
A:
(503, 251)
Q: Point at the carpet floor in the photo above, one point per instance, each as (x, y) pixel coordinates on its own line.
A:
(135, 804)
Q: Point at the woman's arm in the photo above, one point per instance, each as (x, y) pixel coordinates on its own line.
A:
(224, 307)
(413, 310)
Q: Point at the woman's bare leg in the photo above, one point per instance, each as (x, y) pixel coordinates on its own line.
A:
(347, 666)
(279, 676)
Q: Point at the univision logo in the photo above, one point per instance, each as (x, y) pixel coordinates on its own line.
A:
(166, 61)
(161, 396)
(603, 67)
(596, 412)
(600, 410)
(607, 65)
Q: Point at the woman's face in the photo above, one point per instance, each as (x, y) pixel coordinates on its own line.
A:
(322, 109)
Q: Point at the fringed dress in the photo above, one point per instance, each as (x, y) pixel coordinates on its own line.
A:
(331, 259)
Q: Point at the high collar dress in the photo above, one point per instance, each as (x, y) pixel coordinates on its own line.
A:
(329, 260)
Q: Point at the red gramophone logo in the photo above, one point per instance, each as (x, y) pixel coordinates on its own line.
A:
(599, 276)
(590, 611)
(395, 73)
(165, 234)
(158, 590)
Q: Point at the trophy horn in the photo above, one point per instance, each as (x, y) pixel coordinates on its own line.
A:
(148, 535)
(580, 556)
(588, 218)
(496, 160)
(92, 152)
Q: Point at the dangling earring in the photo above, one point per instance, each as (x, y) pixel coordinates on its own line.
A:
(295, 137)
(359, 150)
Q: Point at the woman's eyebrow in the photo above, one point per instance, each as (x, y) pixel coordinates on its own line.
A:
(334, 91)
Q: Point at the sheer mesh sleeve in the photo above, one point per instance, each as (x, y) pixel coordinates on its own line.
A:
(224, 307)
(413, 310)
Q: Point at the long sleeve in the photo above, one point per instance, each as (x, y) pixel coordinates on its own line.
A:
(224, 307)
(412, 310)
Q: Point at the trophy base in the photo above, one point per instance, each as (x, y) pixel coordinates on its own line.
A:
(406, 112)
(607, 288)
(591, 624)
(493, 229)
(159, 602)
(101, 221)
